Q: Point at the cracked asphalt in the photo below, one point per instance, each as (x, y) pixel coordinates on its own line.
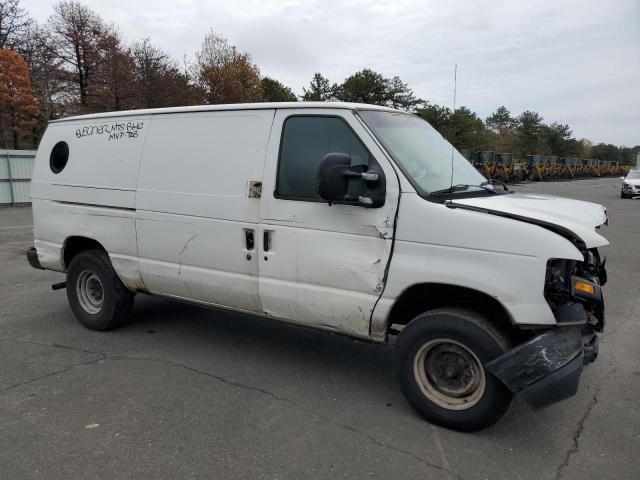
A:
(186, 392)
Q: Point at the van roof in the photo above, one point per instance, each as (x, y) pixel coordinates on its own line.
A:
(231, 106)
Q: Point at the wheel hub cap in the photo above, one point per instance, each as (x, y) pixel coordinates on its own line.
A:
(449, 374)
(90, 292)
(452, 370)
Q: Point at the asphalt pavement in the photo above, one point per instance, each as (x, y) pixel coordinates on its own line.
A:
(185, 392)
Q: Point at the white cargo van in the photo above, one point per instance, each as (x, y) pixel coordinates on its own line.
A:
(356, 219)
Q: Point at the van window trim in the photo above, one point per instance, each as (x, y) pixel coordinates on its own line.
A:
(278, 196)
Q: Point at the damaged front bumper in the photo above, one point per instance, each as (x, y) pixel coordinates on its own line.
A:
(547, 368)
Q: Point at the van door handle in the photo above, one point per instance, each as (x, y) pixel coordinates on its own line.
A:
(249, 239)
(266, 240)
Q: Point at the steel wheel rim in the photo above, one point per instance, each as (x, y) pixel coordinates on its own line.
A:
(449, 374)
(90, 292)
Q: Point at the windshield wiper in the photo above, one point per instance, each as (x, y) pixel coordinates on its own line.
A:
(494, 182)
(462, 187)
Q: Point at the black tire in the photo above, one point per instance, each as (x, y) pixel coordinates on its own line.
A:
(475, 339)
(92, 267)
(622, 195)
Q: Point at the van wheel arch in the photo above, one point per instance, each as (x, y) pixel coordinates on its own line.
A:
(439, 360)
(425, 297)
(97, 296)
(78, 244)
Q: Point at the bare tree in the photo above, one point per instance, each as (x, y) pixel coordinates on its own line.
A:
(50, 83)
(76, 32)
(158, 79)
(112, 87)
(14, 23)
(150, 65)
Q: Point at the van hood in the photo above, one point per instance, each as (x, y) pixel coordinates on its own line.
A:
(567, 217)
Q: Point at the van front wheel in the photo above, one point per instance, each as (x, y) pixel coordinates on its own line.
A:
(97, 297)
(439, 361)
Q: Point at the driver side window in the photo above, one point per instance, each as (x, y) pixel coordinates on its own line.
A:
(305, 141)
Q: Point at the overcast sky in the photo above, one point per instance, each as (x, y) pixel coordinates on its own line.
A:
(573, 61)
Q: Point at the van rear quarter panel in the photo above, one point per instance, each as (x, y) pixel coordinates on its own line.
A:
(94, 195)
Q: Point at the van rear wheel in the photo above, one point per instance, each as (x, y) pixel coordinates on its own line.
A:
(439, 361)
(97, 297)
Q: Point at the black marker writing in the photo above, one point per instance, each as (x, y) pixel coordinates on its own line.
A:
(115, 131)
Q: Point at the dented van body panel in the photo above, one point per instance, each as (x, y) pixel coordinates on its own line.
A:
(469, 249)
(190, 222)
(327, 265)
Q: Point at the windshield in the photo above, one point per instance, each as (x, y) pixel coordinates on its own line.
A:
(420, 151)
(633, 176)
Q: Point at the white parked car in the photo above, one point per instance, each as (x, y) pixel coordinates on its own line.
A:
(631, 185)
(355, 219)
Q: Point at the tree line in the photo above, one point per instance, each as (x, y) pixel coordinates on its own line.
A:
(76, 63)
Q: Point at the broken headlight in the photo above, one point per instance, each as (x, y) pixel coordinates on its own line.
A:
(572, 289)
(557, 284)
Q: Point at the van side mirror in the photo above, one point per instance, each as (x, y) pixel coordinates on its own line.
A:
(336, 174)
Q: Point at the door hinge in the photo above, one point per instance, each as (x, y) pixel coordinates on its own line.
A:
(255, 189)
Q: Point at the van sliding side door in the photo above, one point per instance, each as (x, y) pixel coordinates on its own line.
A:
(196, 218)
(321, 265)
